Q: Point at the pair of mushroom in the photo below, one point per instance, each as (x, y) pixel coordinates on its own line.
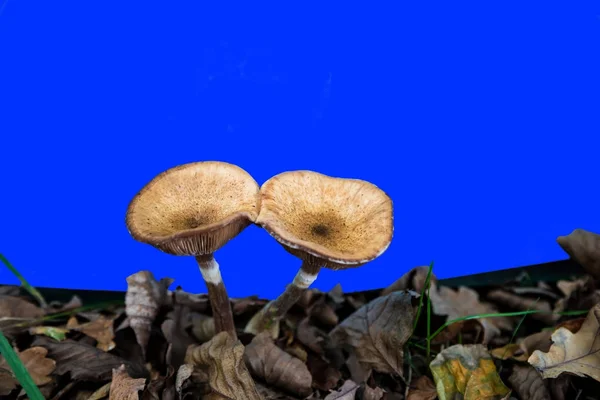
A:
(196, 208)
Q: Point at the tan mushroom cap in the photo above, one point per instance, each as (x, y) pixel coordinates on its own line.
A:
(195, 208)
(337, 222)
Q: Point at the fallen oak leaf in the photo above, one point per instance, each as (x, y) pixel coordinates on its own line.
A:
(124, 387)
(223, 356)
(100, 329)
(528, 383)
(467, 370)
(422, 389)
(575, 353)
(465, 302)
(85, 362)
(277, 368)
(37, 364)
(378, 331)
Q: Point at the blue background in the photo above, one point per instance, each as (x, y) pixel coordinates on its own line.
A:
(480, 119)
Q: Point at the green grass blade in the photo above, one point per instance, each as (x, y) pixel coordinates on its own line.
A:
(496, 315)
(425, 287)
(17, 367)
(32, 291)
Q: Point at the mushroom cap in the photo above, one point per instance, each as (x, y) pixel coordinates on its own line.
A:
(335, 222)
(195, 208)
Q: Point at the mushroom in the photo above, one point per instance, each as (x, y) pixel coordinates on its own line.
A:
(193, 210)
(327, 222)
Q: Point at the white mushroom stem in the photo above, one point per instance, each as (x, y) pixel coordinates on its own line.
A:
(219, 300)
(277, 308)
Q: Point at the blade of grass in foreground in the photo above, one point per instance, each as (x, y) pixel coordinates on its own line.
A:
(32, 291)
(425, 287)
(17, 367)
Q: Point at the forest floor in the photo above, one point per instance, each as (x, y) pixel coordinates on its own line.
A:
(415, 340)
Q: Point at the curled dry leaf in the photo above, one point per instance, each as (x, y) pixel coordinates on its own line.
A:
(467, 370)
(37, 364)
(465, 302)
(422, 389)
(378, 331)
(412, 280)
(575, 353)
(277, 368)
(223, 356)
(528, 383)
(346, 392)
(100, 329)
(143, 300)
(124, 387)
(584, 247)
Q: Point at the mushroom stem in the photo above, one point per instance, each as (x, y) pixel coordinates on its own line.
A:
(219, 300)
(276, 309)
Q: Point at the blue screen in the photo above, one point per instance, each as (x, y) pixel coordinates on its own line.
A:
(479, 119)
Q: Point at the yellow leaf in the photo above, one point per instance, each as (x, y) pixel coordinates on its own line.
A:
(467, 370)
(575, 353)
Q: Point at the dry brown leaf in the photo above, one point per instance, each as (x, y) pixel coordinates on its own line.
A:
(161, 386)
(323, 313)
(324, 376)
(100, 329)
(465, 302)
(528, 383)
(521, 303)
(223, 356)
(346, 392)
(537, 341)
(467, 370)
(412, 280)
(311, 336)
(508, 351)
(378, 331)
(143, 300)
(584, 247)
(37, 364)
(17, 307)
(574, 325)
(124, 387)
(575, 353)
(277, 368)
(422, 389)
(86, 362)
(203, 327)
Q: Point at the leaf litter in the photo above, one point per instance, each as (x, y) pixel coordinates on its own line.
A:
(513, 340)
